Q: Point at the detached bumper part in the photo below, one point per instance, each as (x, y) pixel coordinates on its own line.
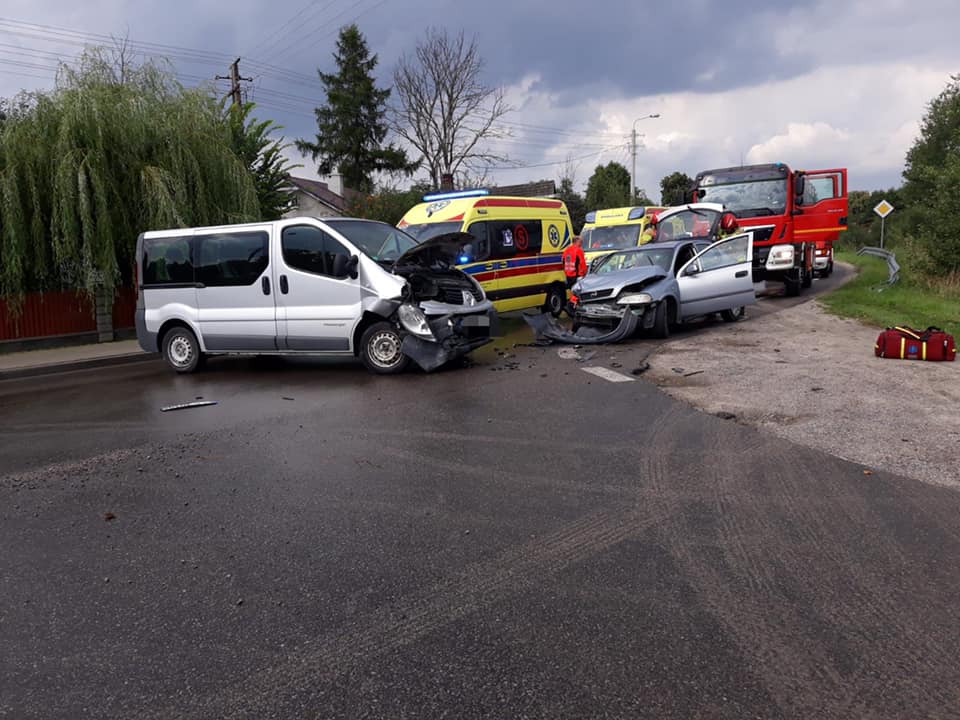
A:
(456, 336)
(546, 326)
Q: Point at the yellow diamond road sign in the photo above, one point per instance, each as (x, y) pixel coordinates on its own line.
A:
(883, 208)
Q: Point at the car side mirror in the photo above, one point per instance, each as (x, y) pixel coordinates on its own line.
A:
(692, 269)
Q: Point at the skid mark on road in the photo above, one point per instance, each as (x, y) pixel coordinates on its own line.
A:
(815, 618)
(518, 570)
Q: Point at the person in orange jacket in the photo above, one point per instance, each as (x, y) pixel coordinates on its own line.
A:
(574, 262)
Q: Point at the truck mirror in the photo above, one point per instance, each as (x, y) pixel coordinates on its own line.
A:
(799, 185)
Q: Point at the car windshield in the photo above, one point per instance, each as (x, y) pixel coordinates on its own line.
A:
(749, 199)
(689, 223)
(610, 237)
(425, 231)
(377, 240)
(648, 257)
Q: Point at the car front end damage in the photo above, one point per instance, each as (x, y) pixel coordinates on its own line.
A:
(605, 314)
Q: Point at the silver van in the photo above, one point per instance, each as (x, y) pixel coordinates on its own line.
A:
(304, 286)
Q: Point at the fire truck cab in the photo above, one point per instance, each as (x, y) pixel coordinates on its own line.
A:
(795, 215)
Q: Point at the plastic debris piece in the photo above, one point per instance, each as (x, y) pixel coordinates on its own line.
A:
(184, 406)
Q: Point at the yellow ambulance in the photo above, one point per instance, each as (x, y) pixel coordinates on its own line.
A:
(517, 256)
(616, 229)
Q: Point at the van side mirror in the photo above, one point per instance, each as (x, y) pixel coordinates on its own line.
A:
(344, 266)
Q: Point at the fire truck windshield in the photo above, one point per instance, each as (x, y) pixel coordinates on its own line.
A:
(748, 199)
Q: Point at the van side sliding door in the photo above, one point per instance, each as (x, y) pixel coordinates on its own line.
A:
(235, 296)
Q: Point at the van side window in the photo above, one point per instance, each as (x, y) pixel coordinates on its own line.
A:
(481, 243)
(166, 261)
(509, 238)
(302, 247)
(230, 259)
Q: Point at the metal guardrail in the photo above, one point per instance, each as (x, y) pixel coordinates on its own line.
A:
(891, 259)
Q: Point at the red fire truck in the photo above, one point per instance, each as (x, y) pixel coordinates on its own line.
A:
(795, 216)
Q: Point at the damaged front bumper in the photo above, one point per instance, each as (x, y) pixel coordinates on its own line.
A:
(455, 335)
(546, 326)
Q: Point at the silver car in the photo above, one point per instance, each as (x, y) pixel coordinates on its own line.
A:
(661, 284)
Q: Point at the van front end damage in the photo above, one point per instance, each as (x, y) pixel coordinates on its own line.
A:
(434, 340)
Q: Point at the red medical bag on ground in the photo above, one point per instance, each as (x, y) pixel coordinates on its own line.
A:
(903, 343)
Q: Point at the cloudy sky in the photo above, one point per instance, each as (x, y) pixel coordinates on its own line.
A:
(816, 84)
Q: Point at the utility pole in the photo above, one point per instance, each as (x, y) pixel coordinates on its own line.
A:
(234, 78)
(633, 153)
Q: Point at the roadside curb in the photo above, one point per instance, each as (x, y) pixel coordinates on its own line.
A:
(71, 365)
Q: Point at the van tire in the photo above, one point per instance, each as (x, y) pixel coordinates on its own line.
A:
(380, 349)
(181, 349)
(556, 300)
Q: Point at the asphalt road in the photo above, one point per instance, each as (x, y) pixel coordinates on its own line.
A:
(516, 539)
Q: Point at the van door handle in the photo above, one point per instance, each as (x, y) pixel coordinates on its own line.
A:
(265, 284)
(284, 288)
(742, 273)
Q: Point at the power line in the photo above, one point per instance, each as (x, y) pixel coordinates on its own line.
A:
(271, 40)
(559, 162)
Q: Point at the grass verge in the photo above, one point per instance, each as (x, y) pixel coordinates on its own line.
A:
(868, 298)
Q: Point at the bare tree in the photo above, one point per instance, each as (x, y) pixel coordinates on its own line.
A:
(444, 110)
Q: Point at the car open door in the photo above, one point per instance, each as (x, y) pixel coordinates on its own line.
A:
(820, 211)
(719, 278)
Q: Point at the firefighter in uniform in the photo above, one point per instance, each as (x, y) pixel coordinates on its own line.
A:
(574, 262)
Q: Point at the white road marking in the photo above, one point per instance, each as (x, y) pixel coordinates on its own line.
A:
(608, 374)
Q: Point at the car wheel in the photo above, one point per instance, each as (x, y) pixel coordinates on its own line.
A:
(556, 301)
(828, 272)
(733, 314)
(181, 350)
(380, 349)
(661, 321)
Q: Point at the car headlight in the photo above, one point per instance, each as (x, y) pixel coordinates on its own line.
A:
(414, 321)
(635, 299)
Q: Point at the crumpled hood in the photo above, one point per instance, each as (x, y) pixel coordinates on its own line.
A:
(618, 280)
(444, 249)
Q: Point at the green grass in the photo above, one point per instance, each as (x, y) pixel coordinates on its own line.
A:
(906, 303)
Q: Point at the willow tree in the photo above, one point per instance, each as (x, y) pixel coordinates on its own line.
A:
(88, 166)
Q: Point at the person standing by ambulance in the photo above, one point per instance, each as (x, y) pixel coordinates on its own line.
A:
(574, 262)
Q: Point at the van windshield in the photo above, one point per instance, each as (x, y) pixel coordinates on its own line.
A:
(425, 231)
(378, 240)
(610, 237)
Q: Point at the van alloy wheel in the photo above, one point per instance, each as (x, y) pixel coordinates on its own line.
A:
(181, 350)
(381, 349)
(385, 349)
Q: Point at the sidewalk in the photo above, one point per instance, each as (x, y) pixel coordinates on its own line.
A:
(77, 357)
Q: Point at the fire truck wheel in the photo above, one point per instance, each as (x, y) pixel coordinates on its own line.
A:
(792, 283)
(806, 279)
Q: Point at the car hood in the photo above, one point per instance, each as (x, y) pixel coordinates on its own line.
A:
(444, 250)
(618, 280)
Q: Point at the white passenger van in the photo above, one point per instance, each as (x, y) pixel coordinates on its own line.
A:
(337, 287)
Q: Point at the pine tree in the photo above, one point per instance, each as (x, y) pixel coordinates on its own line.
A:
(352, 126)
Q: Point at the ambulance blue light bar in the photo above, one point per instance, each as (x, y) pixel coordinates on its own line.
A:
(456, 195)
(637, 213)
(591, 217)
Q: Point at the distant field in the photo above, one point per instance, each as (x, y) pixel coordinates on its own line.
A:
(906, 303)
